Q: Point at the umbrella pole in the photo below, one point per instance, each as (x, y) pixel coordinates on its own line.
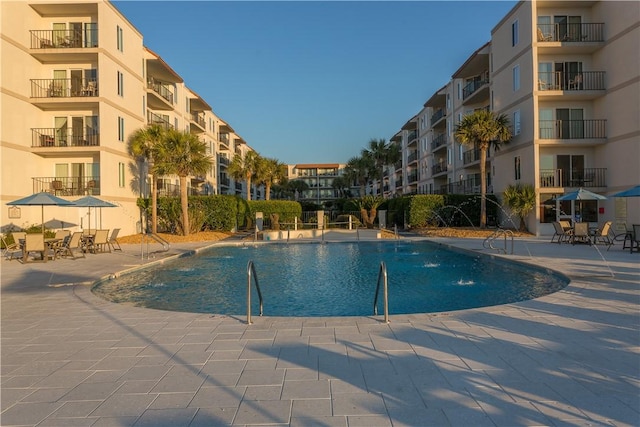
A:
(42, 206)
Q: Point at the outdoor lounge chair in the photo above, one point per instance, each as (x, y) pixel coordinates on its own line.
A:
(602, 235)
(34, 243)
(113, 240)
(581, 233)
(101, 241)
(71, 244)
(10, 249)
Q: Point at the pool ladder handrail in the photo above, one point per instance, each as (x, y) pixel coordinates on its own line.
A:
(251, 272)
(488, 242)
(382, 274)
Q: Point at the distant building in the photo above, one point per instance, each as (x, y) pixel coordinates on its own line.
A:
(319, 178)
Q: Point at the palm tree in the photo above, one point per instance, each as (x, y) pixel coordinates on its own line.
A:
(358, 170)
(341, 184)
(183, 154)
(521, 199)
(381, 155)
(244, 168)
(483, 129)
(143, 145)
(269, 172)
(369, 209)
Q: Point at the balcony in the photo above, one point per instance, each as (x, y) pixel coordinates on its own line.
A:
(413, 157)
(439, 141)
(223, 161)
(571, 38)
(199, 120)
(224, 182)
(471, 156)
(473, 90)
(466, 186)
(166, 189)
(437, 116)
(52, 137)
(412, 137)
(571, 86)
(67, 93)
(560, 178)
(573, 129)
(412, 177)
(156, 119)
(399, 183)
(64, 45)
(161, 95)
(438, 168)
(67, 186)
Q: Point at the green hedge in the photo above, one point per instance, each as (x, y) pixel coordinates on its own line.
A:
(218, 212)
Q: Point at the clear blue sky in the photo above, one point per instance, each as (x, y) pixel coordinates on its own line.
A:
(309, 82)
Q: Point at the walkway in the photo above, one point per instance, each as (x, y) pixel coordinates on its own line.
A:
(571, 358)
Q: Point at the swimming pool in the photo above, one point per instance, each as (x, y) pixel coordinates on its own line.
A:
(336, 279)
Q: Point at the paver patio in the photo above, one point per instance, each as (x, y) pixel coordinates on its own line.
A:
(70, 358)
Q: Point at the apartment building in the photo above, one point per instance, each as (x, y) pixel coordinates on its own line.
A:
(77, 81)
(566, 74)
(319, 178)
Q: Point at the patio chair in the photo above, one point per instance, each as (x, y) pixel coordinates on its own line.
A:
(560, 233)
(101, 241)
(635, 239)
(34, 243)
(69, 245)
(10, 249)
(61, 234)
(18, 236)
(581, 233)
(113, 240)
(602, 235)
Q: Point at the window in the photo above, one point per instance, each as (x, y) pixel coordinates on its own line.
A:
(120, 84)
(121, 174)
(516, 162)
(516, 78)
(459, 90)
(516, 122)
(119, 39)
(515, 36)
(121, 129)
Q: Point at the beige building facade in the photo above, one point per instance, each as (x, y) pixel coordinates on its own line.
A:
(567, 76)
(77, 81)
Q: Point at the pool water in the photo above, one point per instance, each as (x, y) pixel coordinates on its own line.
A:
(335, 279)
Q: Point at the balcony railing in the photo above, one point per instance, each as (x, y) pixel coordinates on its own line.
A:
(472, 87)
(437, 116)
(64, 39)
(412, 177)
(156, 119)
(571, 33)
(585, 80)
(438, 168)
(173, 190)
(63, 88)
(67, 186)
(412, 157)
(412, 135)
(238, 186)
(199, 119)
(52, 137)
(399, 183)
(223, 161)
(587, 177)
(439, 141)
(224, 181)
(161, 89)
(471, 156)
(573, 129)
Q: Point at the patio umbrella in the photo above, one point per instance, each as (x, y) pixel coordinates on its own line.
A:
(93, 202)
(579, 195)
(631, 192)
(41, 199)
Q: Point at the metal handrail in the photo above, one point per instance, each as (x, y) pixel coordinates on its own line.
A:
(251, 271)
(382, 273)
(488, 242)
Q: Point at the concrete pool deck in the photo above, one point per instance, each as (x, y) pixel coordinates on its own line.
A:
(70, 358)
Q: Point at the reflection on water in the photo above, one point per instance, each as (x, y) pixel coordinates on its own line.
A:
(336, 279)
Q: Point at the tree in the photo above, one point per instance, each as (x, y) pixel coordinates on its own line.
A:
(483, 129)
(297, 187)
(244, 168)
(341, 184)
(143, 145)
(269, 172)
(368, 209)
(521, 199)
(358, 170)
(381, 155)
(183, 154)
